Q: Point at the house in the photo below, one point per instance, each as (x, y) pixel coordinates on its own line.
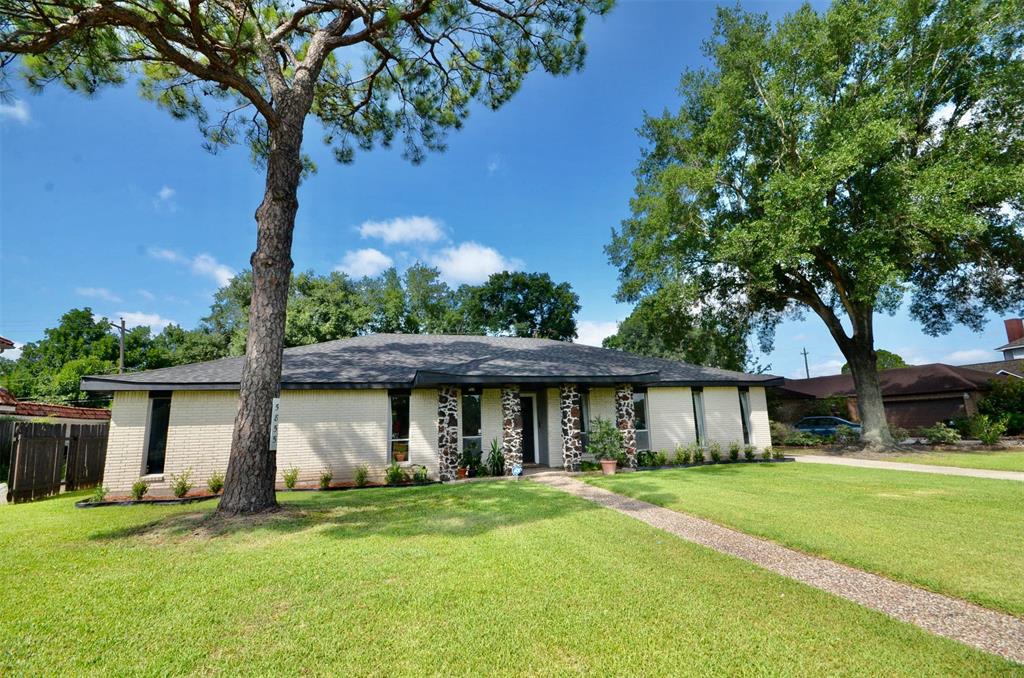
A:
(23, 410)
(915, 396)
(425, 399)
(6, 344)
(1012, 364)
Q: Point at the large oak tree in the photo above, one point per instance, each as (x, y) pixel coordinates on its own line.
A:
(840, 162)
(255, 70)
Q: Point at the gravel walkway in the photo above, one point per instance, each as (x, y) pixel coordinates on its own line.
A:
(987, 630)
(918, 468)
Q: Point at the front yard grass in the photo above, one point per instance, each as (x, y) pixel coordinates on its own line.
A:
(955, 535)
(496, 578)
(995, 461)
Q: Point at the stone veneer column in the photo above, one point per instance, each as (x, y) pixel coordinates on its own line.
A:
(447, 432)
(572, 441)
(512, 427)
(625, 420)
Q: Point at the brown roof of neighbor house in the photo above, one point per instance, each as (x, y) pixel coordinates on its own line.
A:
(914, 380)
(6, 343)
(27, 409)
(6, 398)
(1015, 367)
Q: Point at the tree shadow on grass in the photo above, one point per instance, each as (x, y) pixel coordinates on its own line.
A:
(650, 486)
(463, 510)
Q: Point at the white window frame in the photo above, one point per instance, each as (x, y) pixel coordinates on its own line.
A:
(478, 394)
(744, 395)
(700, 426)
(646, 431)
(391, 439)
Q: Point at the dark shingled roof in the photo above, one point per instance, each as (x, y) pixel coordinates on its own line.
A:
(407, 360)
(902, 381)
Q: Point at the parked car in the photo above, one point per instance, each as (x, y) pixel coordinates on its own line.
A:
(824, 426)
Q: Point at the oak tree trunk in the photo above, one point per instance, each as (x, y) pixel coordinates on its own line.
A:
(252, 467)
(863, 361)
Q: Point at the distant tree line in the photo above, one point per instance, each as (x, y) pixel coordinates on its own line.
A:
(320, 308)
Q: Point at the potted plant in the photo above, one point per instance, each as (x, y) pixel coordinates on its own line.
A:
(606, 444)
(470, 461)
(399, 454)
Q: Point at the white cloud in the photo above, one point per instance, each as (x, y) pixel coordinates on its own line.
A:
(138, 319)
(970, 355)
(202, 264)
(820, 369)
(147, 295)
(359, 263)
(13, 353)
(472, 263)
(592, 332)
(493, 164)
(403, 229)
(97, 293)
(164, 199)
(17, 111)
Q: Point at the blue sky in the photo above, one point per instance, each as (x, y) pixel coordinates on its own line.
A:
(108, 202)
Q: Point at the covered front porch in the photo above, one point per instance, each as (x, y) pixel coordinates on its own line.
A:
(532, 424)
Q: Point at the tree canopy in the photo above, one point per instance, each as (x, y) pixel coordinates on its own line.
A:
(887, 360)
(841, 162)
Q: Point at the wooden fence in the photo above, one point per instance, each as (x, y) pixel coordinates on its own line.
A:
(47, 456)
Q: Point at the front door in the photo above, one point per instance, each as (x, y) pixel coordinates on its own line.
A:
(529, 444)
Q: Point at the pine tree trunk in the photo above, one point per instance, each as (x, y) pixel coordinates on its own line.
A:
(252, 467)
(863, 362)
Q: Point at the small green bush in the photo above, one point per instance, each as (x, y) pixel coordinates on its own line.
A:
(778, 454)
(1005, 400)
(940, 434)
(898, 433)
(419, 474)
(698, 453)
(362, 474)
(586, 465)
(605, 441)
(734, 452)
(396, 474)
(682, 456)
(644, 458)
(766, 453)
(215, 482)
(661, 458)
(801, 439)
(846, 435)
(495, 459)
(326, 476)
(779, 432)
(139, 489)
(715, 452)
(749, 452)
(181, 483)
(987, 430)
(291, 476)
(99, 493)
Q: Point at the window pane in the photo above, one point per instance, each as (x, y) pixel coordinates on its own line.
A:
(745, 415)
(470, 414)
(640, 411)
(643, 440)
(473, 446)
(584, 412)
(159, 418)
(399, 417)
(698, 414)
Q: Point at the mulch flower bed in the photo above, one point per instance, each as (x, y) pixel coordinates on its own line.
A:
(715, 463)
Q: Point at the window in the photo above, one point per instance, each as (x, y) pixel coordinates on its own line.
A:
(584, 417)
(643, 436)
(472, 441)
(399, 425)
(159, 419)
(698, 414)
(745, 413)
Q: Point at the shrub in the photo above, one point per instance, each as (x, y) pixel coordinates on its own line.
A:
(215, 482)
(419, 474)
(661, 458)
(644, 458)
(779, 432)
(396, 474)
(325, 478)
(139, 489)
(715, 452)
(1005, 399)
(801, 439)
(749, 452)
(898, 433)
(495, 459)
(940, 434)
(698, 453)
(291, 476)
(604, 440)
(734, 452)
(586, 465)
(99, 493)
(986, 429)
(846, 435)
(766, 453)
(181, 483)
(470, 459)
(778, 454)
(682, 456)
(362, 474)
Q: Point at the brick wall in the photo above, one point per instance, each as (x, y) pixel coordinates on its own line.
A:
(127, 441)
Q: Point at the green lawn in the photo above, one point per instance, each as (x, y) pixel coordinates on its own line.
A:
(996, 461)
(507, 578)
(956, 535)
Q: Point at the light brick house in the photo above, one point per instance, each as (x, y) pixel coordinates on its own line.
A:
(369, 399)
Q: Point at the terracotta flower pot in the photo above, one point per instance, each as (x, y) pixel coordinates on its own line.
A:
(608, 466)
(461, 473)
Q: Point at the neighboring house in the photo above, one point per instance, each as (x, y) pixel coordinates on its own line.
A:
(21, 410)
(914, 396)
(1012, 364)
(5, 344)
(428, 397)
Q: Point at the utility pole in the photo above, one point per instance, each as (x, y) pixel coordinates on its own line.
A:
(120, 359)
(807, 370)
